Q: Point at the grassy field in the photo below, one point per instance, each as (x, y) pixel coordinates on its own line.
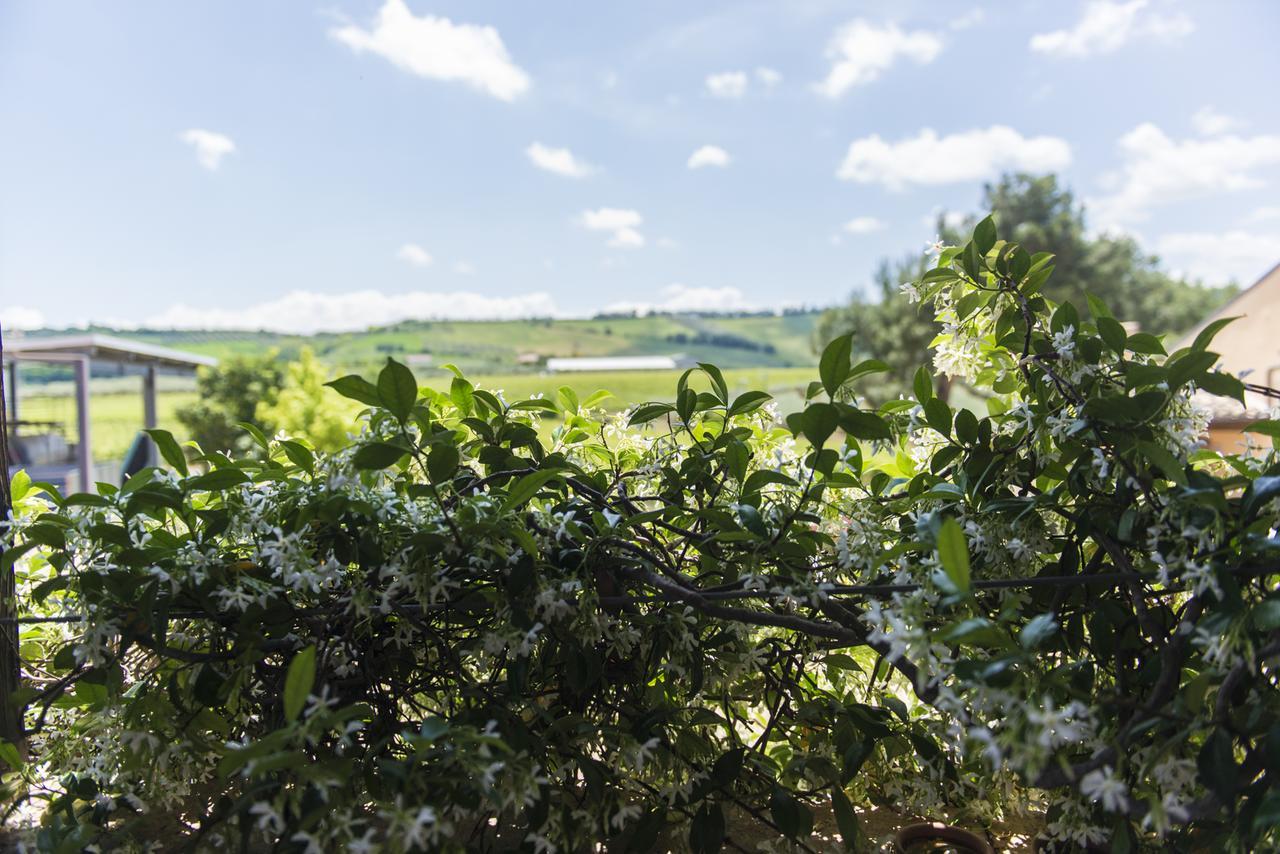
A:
(117, 415)
(492, 346)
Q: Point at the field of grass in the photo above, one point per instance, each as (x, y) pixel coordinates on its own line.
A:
(117, 415)
(492, 346)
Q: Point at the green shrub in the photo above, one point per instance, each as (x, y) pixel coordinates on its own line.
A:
(455, 635)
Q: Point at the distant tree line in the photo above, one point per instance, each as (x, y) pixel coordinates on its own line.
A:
(721, 339)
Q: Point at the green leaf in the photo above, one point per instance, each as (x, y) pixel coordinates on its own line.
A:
(863, 425)
(527, 487)
(1266, 615)
(1163, 460)
(1222, 384)
(170, 450)
(953, 551)
(1263, 428)
(357, 388)
(1037, 630)
(846, 820)
(833, 367)
(748, 401)
(922, 385)
(938, 415)
(1260, 491)
(568, 399)
(792, 817)
(259, 438)
(751, 519)
(596, 398)
(397, 389)
(984, 235)
(867, 366)
(19, 485)
(1190, 366)
(377, 455)
(647, 412)
(442, 462)
(820, 421)
(717, 380)
(1145, 342)
(706, 831)
(9, 753)
(298, 681)
(1217, 764)
(1207, 334)
(217, 480)
(1112, 332)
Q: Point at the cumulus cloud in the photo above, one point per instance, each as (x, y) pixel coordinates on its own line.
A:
(709, 155)
(21, 317)
(677, 297)
(863, 225)
(860, 51)
(1238, 256)
(727, 84)
(1106, 26)
(622, 224)
(306, 312)
(438, 49)
(412, 253)
(1158, 170)
(1209, 122)
(768, 77)
(972, 155)
(210, 147)
(969, 19)
(561, 161)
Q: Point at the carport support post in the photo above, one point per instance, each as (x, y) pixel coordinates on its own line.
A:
(149, 410)
(84, 448)
(10, 663)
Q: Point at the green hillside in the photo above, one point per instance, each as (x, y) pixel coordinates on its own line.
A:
(488, 347)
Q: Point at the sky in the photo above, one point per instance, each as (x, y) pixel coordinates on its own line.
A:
(300, 166)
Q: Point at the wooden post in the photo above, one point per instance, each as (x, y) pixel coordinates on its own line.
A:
(84, 446)
(10, 672)
(149, 411)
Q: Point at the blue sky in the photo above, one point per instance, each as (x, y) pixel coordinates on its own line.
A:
(301, 166)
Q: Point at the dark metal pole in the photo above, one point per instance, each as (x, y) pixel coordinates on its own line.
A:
(10, 673)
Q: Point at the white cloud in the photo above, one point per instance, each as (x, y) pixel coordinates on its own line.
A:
(863, 225)
(1158, 170)
(412, 253)
(709, 155)
(1209, 122)
(1107, 26)
(951, 219)
(439, 49)
(561, 161)
(1264, 214)
(677, 297)
(21, 317)
(305, 312)
(1217, 258)
(768, 77)
(210, 147)
(623, 225)
(860, 51)
(727, 84)
(969, 156)
(969, 19)
(464, 268)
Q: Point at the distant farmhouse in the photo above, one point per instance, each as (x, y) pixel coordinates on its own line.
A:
(616, 363)
(1250, 349)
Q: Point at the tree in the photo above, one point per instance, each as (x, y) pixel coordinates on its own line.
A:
(1038, 214)
(305, 408)
(230, 394)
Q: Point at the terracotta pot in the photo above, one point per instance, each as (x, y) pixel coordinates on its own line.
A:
(933, 835)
